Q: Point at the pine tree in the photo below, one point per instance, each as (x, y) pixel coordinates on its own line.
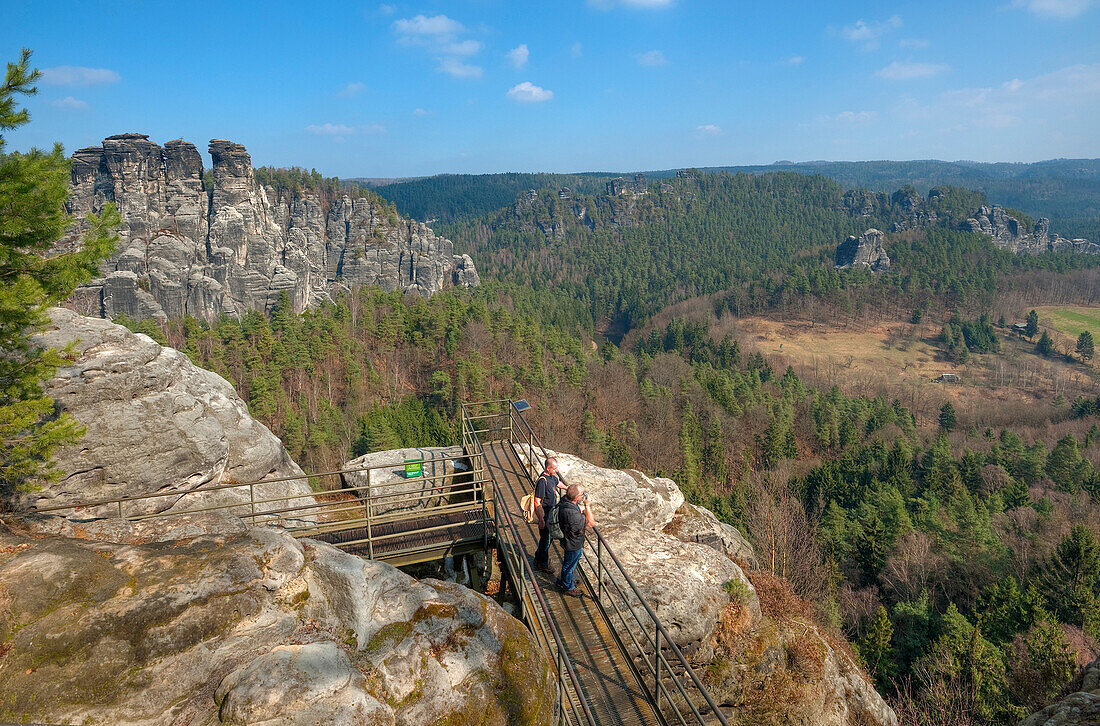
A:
(1085, 345)
(877, 649)
(1045, 346)
(33, 189)
(948, 418)
(1032, 325)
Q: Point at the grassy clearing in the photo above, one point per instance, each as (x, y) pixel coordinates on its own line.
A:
(1071, 321)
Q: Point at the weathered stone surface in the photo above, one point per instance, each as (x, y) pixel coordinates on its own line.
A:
(252, 627)
(1080, 708)
(1007, 232)
(864, 251)
(684, 582)
(185, 249)
(391, 491)
(619, 497)
(696, 524)
(155, 423)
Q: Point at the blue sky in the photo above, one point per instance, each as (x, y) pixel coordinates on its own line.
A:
(405, 88)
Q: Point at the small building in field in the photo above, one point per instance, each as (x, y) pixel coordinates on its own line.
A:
(947, 378)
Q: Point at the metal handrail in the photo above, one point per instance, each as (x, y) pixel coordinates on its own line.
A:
(659, 631)
(527, 582)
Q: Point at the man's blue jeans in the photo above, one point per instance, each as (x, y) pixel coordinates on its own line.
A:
(568, 564)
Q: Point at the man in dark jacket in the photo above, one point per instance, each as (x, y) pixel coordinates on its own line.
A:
(546, 498)
(574, 516)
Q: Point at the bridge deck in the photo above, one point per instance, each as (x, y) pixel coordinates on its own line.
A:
(608, 684)
(409, 541)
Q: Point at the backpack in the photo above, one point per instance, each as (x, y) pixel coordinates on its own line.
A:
(553, 524)
(527, 504)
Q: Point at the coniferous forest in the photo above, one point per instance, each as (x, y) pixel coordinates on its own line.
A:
(957, 549)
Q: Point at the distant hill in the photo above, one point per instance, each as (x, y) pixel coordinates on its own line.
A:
(1065, 190)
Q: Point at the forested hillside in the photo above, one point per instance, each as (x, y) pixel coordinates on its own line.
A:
(956, 547)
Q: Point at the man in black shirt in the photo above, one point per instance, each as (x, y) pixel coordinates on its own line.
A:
(574, 516)
(546, 498)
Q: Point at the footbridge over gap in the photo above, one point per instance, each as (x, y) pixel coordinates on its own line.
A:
(614, 660)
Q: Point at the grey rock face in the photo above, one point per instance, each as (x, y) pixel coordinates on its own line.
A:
(252, 627)
(391, 491)
(1077, 709)
(1007, 232)
(863, 251)
(696, 524)
(155, 423)
(188, 250)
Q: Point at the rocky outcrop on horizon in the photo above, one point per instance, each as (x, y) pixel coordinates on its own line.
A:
(188, 250)
(865, 251)
(156, 423)
(251, 627)
(1007, 233)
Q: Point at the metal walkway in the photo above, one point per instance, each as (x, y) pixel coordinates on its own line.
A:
(615, 663)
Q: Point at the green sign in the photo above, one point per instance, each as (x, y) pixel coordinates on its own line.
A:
(414, 467)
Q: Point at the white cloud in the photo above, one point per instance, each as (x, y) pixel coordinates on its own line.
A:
(70, 103)
(330, 129)
(518, 56)
(651, 58)
(709, 129)
(577, 50)
(422, 112)
(1060, 9)
(458, 69)
(78, 76)
(528, 92)
(461, 48)
(423, 25)
(352, 90)
(794, 60)
(898, 71)
(855, 118)
(916, 43)
(869, 33)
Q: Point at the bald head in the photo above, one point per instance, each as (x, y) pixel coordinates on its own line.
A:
(551, 466)
(574, 492)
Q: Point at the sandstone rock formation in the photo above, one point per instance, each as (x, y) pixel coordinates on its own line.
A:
(1079, 708)
(696, 524)
(864, 251)
(155, 423)
(762, 656)
(1008, 233)
(621, 497)
(391, 491)
(251, 627)
(189, 250)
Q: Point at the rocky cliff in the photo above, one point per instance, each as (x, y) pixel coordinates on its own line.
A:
(1007, 232)
(156, 424)
(865, 251)
(762, 655)
(1079, 708)
(250, 627)
(190, 250)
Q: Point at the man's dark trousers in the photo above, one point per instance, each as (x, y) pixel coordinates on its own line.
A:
(568, 565)
(542, 553)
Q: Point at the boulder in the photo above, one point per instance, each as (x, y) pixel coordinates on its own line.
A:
(1078, 708)
(696, 524)
(189, 250)
(391, 491)
(251, 627)
(618, 497)
(156, 424)
(865, 251)
(687, 584)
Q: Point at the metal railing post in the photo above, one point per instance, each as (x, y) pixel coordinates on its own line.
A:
(367, 507)
(252, 502)
(656, 667)
(599, 571)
